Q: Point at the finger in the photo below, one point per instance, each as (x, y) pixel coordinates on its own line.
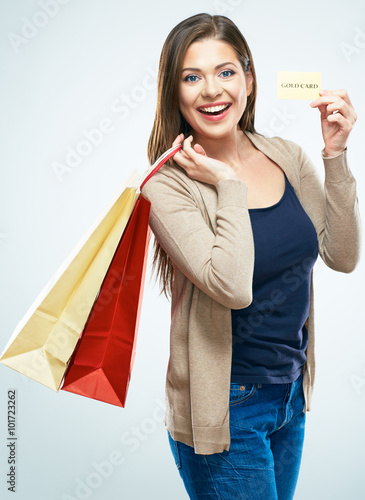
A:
(331, 104)
(323, 111)
(199, 149)
(182, 160)
(341, 93)
(324, 100)
(178, 139)
(181, 156)
(331, 96)
(344, 124)
(188, 149)
(340, 107)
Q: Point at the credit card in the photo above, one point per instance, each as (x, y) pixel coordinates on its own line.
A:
(298, 85)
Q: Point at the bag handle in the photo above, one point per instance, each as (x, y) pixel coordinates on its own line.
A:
(159, 162)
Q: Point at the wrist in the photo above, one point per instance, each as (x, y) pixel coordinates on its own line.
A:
(332, 154)
(226, 176)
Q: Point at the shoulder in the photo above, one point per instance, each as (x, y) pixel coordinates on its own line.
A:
(276, 143)
(170, 179)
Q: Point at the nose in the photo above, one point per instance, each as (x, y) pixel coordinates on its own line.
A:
(212, 88)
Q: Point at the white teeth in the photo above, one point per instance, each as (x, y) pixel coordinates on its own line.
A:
(212, 109)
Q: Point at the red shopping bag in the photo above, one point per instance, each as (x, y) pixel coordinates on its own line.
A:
(101, 365)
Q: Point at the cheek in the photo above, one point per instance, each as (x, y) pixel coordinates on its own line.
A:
(185, 101)
(186, 98)
(239, 92)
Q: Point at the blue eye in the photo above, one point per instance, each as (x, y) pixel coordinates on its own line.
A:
(229, 71)
(186, 79)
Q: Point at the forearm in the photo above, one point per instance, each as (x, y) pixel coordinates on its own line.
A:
(342, 238)
(218, 262)
(333, 209)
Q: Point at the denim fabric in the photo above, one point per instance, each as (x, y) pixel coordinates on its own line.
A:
(267, 426)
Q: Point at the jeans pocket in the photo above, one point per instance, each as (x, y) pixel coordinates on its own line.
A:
(174, 445)
(240, 393)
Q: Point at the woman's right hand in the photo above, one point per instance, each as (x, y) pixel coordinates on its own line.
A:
(198, 165)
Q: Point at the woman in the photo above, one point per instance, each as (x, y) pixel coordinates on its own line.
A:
(239, 220)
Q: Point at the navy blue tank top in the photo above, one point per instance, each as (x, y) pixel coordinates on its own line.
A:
(269, 337)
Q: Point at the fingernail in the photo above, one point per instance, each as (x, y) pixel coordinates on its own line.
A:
(323, 92)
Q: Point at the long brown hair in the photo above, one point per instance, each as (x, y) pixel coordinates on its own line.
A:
(169, 122)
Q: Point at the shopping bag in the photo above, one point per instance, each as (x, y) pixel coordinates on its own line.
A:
(45, 338)
(102, 363)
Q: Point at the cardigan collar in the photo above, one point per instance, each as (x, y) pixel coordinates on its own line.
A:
(271, 148)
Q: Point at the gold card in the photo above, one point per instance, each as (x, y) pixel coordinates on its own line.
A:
(298, 85)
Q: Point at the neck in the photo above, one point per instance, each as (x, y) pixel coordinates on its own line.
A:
(232, 149)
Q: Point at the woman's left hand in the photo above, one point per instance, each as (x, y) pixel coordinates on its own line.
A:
(337, 119)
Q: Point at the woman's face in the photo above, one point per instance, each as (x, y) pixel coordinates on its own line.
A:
(212, 74)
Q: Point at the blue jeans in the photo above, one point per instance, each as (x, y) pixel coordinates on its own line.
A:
(267, 433)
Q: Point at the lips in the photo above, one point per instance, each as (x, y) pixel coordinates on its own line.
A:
(214, 109)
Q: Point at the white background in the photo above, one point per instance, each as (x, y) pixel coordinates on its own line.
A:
(63, 73)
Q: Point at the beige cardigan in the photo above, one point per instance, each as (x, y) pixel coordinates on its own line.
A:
(206, 231)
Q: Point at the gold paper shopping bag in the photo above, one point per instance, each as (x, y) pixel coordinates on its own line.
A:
(44, 340)
(102, 363)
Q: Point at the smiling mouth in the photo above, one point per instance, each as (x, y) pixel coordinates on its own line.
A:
(214, 110)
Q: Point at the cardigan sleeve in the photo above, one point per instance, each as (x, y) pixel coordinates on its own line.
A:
(220, 264)
(333, 209)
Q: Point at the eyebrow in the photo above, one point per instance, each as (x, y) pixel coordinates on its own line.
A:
(217, 67)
